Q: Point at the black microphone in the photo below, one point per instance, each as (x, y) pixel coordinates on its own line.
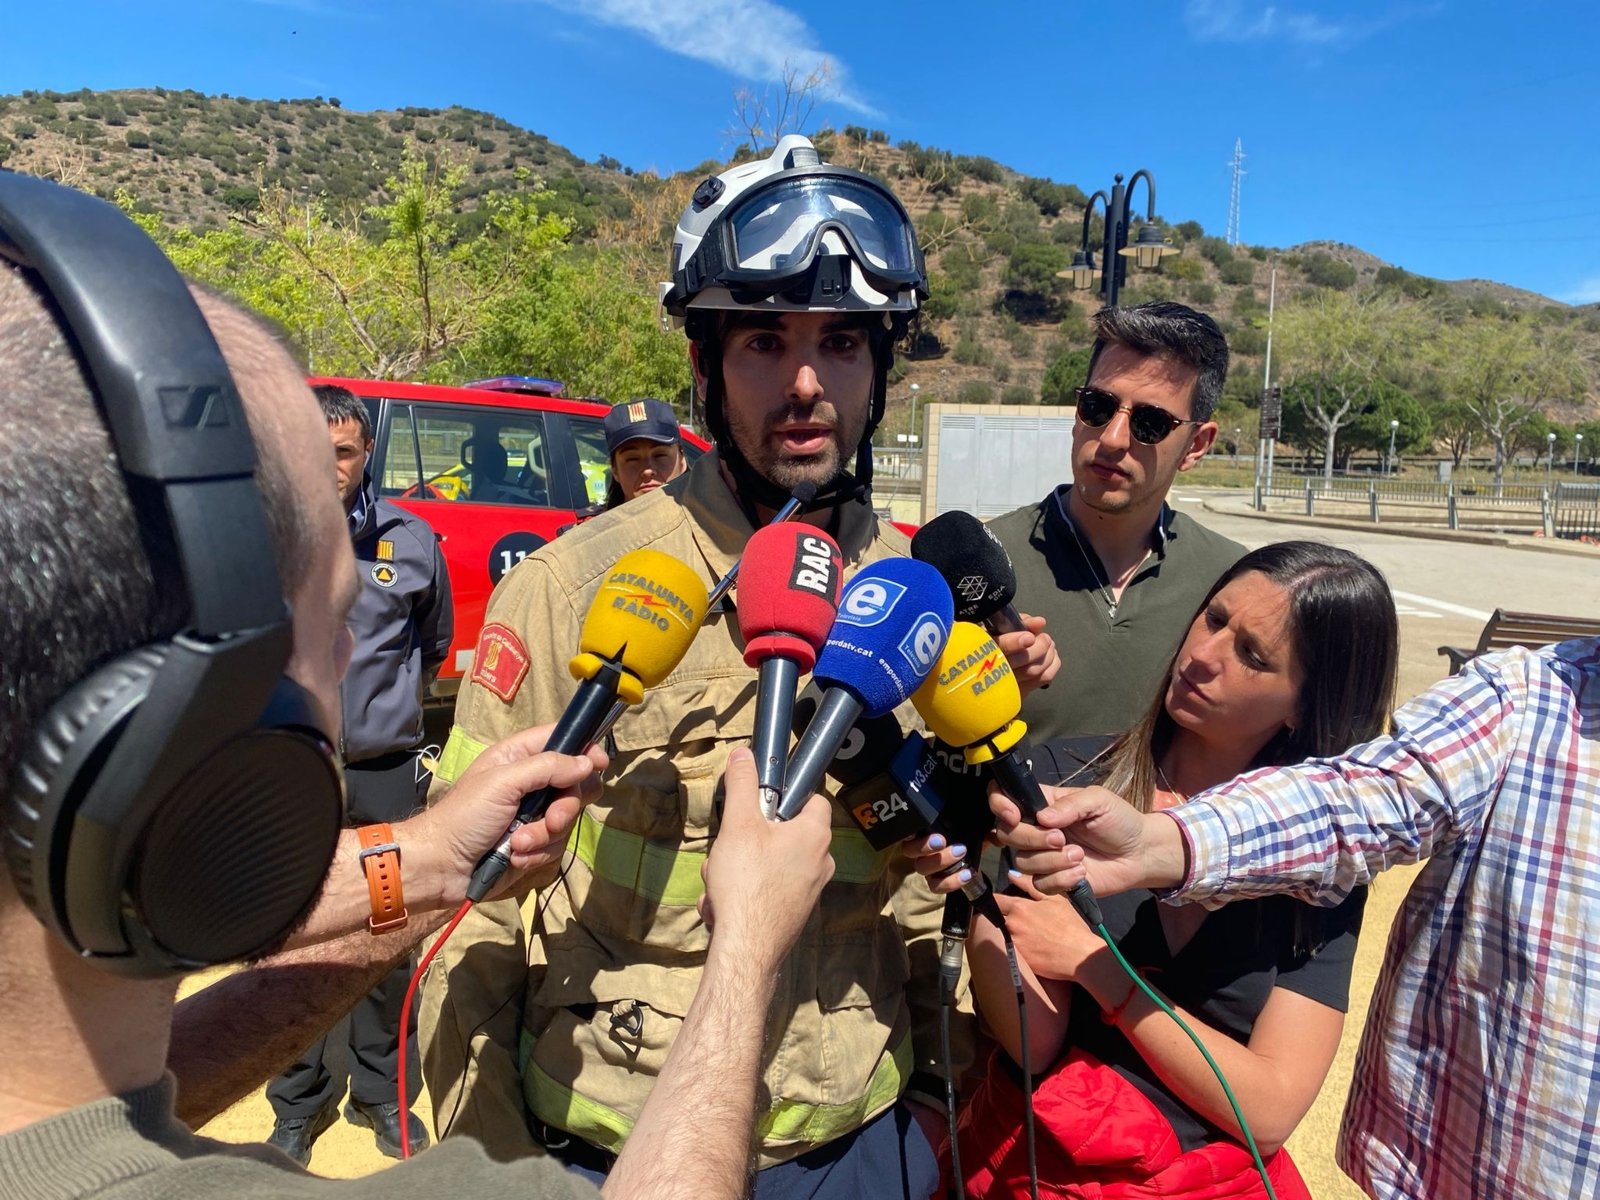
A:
(975, 565)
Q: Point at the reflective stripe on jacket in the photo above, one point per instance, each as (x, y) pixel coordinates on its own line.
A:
(622, 947)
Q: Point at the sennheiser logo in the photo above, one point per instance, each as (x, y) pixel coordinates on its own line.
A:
(203, 406)
(868, 601)
(973, 588)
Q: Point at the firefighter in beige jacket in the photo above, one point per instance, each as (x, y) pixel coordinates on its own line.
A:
(792, 368)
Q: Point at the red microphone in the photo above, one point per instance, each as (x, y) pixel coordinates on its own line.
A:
(788, 596)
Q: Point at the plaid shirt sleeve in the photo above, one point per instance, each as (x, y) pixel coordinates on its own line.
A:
(1327, 826)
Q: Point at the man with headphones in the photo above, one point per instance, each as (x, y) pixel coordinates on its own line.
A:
(172, 799)
(792, 279)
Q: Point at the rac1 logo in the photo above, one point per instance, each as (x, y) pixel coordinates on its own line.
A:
(921, 646)
(868, 601)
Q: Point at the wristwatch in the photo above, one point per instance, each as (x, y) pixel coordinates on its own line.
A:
(380, 859)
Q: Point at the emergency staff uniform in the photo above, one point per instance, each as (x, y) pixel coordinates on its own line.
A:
(622, 947)
(402, 621)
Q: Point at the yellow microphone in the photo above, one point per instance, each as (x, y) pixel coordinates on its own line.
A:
(971, 700)
(638, 628)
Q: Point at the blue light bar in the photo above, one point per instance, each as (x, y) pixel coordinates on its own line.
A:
(532, 385)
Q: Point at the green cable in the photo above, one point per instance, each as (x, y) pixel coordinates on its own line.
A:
(1244, 1127)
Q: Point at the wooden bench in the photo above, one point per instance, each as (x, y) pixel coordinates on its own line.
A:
(1507, 629)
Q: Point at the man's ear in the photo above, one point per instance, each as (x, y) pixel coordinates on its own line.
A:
(1200, 441)
(699, 374)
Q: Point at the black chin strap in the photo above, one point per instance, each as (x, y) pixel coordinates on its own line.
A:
(752, 489)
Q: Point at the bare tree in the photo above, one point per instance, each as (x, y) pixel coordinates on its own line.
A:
(763, 116)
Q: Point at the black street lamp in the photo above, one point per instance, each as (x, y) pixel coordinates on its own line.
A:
(1147, 250)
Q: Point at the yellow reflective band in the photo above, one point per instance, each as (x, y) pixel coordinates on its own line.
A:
(787, 1121)
(668, 875)
(459, 754)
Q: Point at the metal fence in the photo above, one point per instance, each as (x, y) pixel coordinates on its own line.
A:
(1567, 510)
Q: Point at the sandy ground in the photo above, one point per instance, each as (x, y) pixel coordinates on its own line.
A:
(345, 1151)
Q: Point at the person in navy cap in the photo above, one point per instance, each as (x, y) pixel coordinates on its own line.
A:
(643, 441)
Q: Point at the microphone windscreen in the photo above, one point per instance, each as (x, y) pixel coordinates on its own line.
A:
(972, 561)
(789, 578)
(894, 617)
(971, 691)
(644, 616)
(866, 752)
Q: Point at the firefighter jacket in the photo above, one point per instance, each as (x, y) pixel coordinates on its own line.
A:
(618, 947)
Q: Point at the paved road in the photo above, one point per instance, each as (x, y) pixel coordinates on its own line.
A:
(1444, 591)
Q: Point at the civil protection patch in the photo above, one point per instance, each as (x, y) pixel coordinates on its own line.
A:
(384, 574)
(500, 662)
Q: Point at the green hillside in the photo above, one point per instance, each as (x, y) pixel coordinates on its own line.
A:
(1000, 326)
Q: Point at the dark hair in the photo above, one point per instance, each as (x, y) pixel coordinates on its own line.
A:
(340, 404)
(78, 583)
(1346, 642)
(1170, 330)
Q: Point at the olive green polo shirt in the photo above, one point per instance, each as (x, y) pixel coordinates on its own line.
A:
(1111, 666)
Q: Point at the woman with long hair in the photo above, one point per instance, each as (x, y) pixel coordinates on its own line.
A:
(1291, 656)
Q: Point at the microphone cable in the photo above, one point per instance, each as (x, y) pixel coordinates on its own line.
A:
(1083, 899)
(1029, 1137)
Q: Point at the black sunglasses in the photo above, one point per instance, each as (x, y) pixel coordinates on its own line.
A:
(1149, 423)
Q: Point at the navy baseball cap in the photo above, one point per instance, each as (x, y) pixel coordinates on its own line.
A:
(653, 420)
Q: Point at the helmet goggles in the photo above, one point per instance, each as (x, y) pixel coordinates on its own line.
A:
(773, 241)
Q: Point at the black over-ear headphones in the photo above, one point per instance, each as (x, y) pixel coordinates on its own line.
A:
(178, 807)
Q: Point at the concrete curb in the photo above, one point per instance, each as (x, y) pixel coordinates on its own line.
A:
(1243, 508)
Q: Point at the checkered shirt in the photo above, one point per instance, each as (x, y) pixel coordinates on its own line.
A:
(1478, 1074)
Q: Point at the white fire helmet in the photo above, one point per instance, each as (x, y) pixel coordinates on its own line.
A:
(791, 233)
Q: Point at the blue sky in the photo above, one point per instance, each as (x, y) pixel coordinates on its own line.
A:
(1449, 137)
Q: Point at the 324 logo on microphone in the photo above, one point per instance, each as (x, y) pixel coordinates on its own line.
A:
(872, 812)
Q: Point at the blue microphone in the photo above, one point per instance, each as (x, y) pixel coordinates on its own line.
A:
(894, 618)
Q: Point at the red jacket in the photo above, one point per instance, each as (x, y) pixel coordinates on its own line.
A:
(1099, 1138)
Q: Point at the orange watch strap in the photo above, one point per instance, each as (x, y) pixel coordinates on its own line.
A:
(380, 859)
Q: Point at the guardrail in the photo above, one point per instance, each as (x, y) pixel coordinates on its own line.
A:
(1567, 510)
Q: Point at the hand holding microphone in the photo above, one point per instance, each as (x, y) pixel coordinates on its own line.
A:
(971, 700)
(788, 596)
(893, 619)
(983, 582)
(637, 629)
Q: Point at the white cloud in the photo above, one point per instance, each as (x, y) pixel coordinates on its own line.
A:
(313, 8)
(751, 39)
(1249, 21)
(1587, 292)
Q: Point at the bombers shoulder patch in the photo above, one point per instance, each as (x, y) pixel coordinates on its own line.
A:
(500, 662)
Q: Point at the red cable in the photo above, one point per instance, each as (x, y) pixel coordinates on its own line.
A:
(405, 1022)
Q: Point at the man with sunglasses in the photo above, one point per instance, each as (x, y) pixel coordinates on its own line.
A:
(791, 278)
(1115, 572)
